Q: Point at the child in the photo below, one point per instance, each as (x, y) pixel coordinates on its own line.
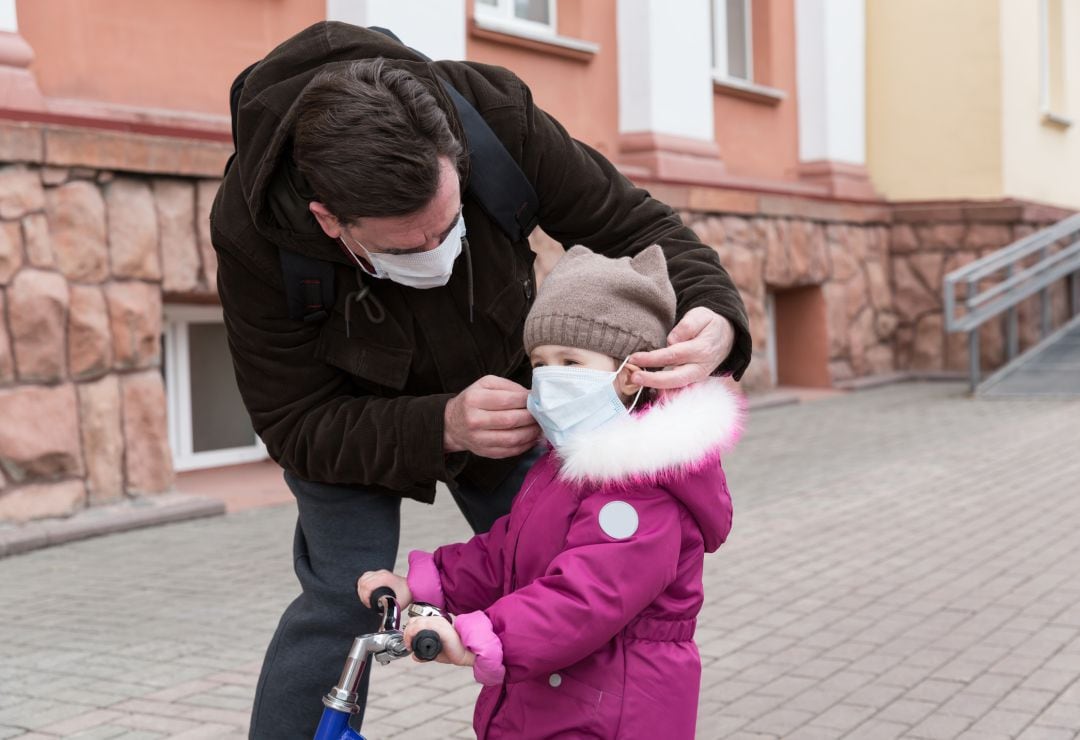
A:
(577, 610)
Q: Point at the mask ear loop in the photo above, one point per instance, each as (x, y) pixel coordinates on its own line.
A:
(358, 261)
(637, 397)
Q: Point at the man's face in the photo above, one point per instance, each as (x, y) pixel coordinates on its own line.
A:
(416, 232)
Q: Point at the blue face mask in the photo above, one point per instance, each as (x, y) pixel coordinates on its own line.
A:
(567, 401)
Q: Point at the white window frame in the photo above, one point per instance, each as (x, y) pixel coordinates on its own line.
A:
(1052, 115)
(501, 16)
(720, 48)
(178, 394)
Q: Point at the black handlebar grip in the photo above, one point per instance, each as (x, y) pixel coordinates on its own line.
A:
(426, 645)
(380, 592)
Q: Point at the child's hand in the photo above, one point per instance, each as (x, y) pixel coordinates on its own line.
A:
(453, 651)
(373, 579)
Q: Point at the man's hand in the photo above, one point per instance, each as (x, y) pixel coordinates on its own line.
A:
(696, 347)
(373, 579)
(489, 419)
(453, 652)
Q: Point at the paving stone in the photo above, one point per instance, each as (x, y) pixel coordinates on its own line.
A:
(913, 609)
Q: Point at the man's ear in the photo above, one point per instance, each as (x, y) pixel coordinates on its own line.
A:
(328, 221)
(622, 382)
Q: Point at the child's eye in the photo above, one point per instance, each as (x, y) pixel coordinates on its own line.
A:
(570, 362)
(537, 364)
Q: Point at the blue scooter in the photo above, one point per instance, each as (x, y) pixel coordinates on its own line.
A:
(388, 644)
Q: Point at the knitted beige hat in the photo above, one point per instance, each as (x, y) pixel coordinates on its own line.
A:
(612, 306)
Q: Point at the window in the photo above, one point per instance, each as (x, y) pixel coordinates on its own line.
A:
(208, 424)
(1052, 98)
(733, 40)
(525, 15)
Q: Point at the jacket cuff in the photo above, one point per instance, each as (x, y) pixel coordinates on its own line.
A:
(478, 635)
(424, 581)
(428, 424)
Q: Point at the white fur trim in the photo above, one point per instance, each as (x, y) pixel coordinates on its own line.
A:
(678, 432)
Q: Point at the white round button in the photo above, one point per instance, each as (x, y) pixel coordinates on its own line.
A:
(555, 680)
(618, 519)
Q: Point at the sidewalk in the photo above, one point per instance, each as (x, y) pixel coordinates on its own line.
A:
(905, 562)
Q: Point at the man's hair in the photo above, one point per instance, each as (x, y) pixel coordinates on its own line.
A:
(367, 139)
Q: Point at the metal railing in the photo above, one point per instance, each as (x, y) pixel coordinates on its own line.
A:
(999, 282)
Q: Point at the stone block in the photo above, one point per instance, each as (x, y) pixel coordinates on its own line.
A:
(38, 501)
(912, 298)
(836, 314)
(7, 359)
(941, 235)
(135, 320)
(778, 264)
(39, 251)
(148, 460)
(20, 192)
(40, 433)
(736, 230)
(861, 337)
(878, 281)
(983, 236)
(745, 267)
(76, 213)
(102, 439)
(11, 252)
(175, 200)
(133, 229)
(710, 230)
(844, 265)
(90, 348)
(928, 352)
(205, 192)
(37, 313)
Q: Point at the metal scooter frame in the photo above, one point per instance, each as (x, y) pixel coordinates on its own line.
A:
(386, 645)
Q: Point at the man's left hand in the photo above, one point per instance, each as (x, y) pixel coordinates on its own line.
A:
(696, 347)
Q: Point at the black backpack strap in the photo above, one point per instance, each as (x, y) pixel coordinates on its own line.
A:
(309, 286)
(495, 180)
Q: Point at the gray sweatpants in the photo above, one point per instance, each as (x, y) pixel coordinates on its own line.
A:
(340, 533)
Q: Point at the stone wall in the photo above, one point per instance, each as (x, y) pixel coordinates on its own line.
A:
(86, 256)
(849, 260)
(928, 241)
(89, 254)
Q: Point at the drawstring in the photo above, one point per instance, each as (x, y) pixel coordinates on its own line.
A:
(468, 273)
(372, 305)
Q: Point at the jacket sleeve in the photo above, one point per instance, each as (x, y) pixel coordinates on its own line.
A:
(462, 577)
(308, 413)
(584, 199)
(589, 592)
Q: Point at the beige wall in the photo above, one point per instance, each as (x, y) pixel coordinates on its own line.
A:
(934, 104)
(1040, 158)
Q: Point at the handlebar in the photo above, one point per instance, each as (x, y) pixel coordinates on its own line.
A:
(426, 646)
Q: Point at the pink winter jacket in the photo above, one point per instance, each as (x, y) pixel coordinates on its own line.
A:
(581, 603)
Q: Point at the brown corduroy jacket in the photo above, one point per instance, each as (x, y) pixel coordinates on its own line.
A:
(365, 407)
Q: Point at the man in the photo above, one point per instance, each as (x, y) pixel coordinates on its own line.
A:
(350, 151)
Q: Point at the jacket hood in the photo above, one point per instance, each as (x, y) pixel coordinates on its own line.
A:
(676, 443)
(275, 193)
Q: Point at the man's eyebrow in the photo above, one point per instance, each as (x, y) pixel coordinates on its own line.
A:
(442, 237)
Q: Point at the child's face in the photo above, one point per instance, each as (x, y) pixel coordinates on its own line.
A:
(555, 355)
(558, 356)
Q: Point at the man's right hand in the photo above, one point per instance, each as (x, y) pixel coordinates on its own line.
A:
(489, 419)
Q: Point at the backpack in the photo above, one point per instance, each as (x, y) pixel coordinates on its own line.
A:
(496, 183)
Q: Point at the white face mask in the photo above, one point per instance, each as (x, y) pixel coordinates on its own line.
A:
(567, 401)
(430, 269)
